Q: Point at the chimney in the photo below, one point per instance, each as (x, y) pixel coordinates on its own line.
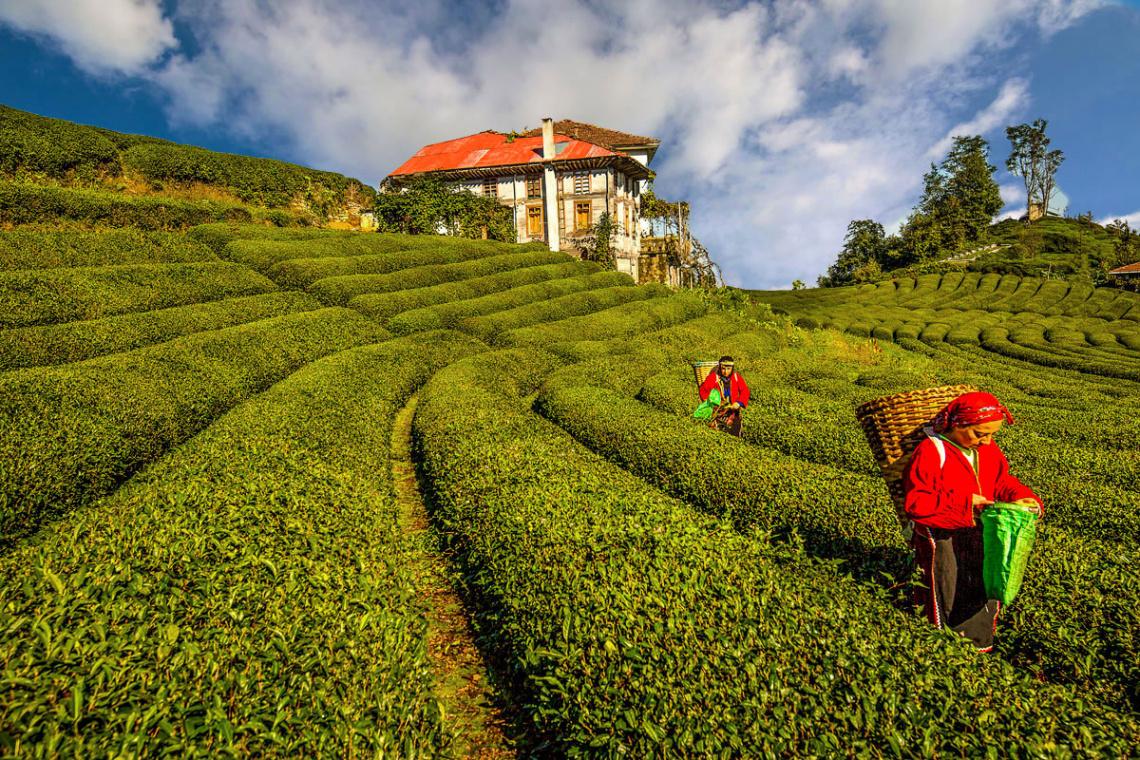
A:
(547, 139)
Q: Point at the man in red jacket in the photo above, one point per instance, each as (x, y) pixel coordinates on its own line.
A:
(956, 472)
(733, 390)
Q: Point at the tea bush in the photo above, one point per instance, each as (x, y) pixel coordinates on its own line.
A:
(633, 627)
(627, 320)
(22, 249)
(449, 315)
(51, 296)
(338, 291)
(247, 596)
(300, 273)
(266, 254)
(489, 327)
(72, 433)
(384, 306)
(32, 204)
(218, 235)
(76, 341)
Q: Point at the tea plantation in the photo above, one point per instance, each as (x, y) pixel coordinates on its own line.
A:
(202, 552)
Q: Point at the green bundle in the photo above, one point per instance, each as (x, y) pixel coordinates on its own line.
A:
(1008, 532)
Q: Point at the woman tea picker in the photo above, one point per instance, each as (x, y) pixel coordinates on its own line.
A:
(956, 472)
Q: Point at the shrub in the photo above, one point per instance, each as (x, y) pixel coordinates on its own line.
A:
(264, 254)
(52, 147)
(50, 296)
(248, 596)
(30, 204)
(383, 306)
(220, 234)
(627, 320)
(549, 294)
(76, 341)
(340, 290)
(259, 181)
(72, 433)
(25, 249)
(488, 328)
(300, 273)
(632, 627)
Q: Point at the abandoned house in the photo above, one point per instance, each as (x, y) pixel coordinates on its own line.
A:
(559, 180)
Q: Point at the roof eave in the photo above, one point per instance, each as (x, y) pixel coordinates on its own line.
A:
(630, 166)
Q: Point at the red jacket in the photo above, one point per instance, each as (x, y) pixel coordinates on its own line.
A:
(939, 495)
(736, 384)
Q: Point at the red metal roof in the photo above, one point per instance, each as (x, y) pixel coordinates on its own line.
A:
(488, 149)
(1127, 269)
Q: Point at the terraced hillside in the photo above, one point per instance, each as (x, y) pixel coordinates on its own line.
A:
(203, 552)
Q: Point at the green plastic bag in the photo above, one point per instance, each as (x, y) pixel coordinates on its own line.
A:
(708, 407)
(1008, 532)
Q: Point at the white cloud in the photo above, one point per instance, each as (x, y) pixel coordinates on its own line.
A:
(1014, 96)
(101, 36)
(783, 120)
(1133, 219)
(1012, 193)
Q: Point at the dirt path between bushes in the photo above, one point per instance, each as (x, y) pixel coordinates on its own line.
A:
(470, 703)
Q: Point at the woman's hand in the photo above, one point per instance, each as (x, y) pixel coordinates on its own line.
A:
(979, 503)
(1031, 503)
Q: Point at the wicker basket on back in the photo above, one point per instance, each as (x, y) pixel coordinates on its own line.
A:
(702, 369)
(894, 426)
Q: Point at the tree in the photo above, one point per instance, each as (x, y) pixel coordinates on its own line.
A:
(599, 245)
(427, 205)
(1124, 242)
(863, 250)
(1031, 159)
(970, 184)
(959, 200)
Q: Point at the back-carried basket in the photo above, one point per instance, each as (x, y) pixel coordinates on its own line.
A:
(895, 425)
(702, 369)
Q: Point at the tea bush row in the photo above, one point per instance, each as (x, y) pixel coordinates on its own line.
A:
(627, 320)
(53, 147)
(77, 341)
(489, 327)
(25, 249)
(631, 626)
(250, 595)
(449, 315)
(300, 273)
(72, 433)
(338, 291)
(22, 204)
(52, 296)
(384, 306)
(218, 235)
(259, 181)
(266, 253)
(848, 517)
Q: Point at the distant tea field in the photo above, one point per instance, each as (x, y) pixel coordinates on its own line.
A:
(204, 551)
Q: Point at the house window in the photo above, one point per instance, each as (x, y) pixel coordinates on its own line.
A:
(582, 220)
(534, 187)
(625, 207)
(534, 221)
(491, 188)
(582, 183)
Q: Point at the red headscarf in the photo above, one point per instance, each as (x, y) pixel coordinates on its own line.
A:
(971, 409)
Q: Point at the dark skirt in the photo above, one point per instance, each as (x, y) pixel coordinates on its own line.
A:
(955, 594)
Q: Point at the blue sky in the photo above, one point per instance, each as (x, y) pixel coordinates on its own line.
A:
(781, 121)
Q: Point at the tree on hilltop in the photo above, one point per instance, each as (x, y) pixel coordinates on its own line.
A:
(1031, 159)
(864, 249)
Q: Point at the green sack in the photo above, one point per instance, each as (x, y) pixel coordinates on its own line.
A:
(1008, 531)
(708, 407)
